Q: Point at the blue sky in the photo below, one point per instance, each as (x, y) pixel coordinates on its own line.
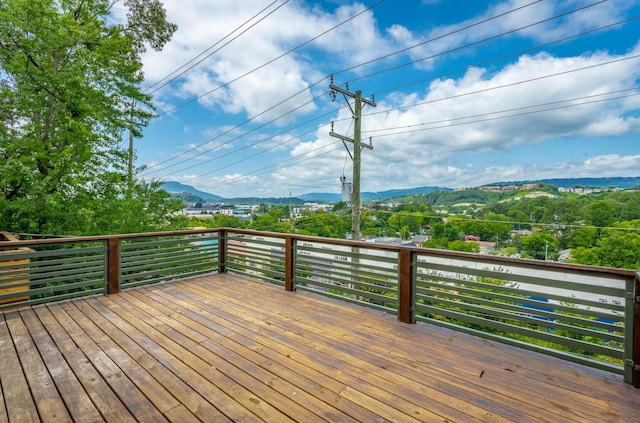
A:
(468, 92)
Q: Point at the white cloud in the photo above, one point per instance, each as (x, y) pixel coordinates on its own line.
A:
(434, 143)
(416, 157)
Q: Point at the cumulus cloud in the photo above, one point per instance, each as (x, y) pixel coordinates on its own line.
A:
(445, 131)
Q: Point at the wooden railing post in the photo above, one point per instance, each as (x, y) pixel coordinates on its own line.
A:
(635, 372)
(113, 264)
(288, 263)
(405, 287)
(222, 251)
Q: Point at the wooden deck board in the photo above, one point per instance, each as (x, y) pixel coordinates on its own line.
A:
(226, 348)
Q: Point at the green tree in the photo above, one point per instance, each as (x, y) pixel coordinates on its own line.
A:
(323, 224)
(412, 220)
(469, 247)
(582, 237)
(540, 245)
(601, 214)
(225, 221)
(69, 91)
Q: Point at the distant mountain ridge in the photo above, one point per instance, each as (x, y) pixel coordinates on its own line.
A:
(173, 187)
(618, 182)
(176, 188)
(382, 195)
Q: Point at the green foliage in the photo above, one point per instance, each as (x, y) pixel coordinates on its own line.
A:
(619, 249)
(494, 228)
(582, 237)
(412, 221)
(323, 224)
(340, 206)
(540, 245)
(69, 92)
(469, 247)
(601, 214)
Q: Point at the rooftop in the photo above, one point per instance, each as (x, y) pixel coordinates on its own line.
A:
(224, 347)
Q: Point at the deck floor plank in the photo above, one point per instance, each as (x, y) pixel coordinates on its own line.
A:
(228, 348)
(142, 399)
(345, 360)
(208, 369)
(44, 392)
(202, 359)
(184, 393)
(305, 378)
(222, 400)
(369, 344)
(235, 357)
(20, 405)
(86, 394)
(392, 406)
(453, 389)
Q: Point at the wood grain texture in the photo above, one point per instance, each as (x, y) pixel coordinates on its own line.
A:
(225, 348)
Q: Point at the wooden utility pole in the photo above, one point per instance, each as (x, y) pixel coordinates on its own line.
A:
(130, 164)
(357, 150)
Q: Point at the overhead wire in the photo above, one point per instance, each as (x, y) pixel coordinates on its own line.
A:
(475, 43)
(175, 75)
(317, 97)
(507, 111)
(512, 84)
(537, 111)
(270, 108)
(587, 32)
(439, 37)
(398, 108)
(299, 46)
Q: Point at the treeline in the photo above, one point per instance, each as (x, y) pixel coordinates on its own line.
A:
(597, 229)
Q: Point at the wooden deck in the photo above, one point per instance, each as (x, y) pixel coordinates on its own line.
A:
(223, 348)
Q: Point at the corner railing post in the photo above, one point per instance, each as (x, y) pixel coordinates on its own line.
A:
(113, 264)
(636, 332)
(405, 287)
(288, 263)
(222, 251)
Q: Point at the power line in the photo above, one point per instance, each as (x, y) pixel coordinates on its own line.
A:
(500, 58)
(506, 111)
(526, 81)
(317, 82)
(172, 76)
(240, 136)
(341, 71)
(529, 49)
(226, 84)
(404, 85)
(472, 116)
(413, 62)
(278, 166)
(397, 133)
(386, 56)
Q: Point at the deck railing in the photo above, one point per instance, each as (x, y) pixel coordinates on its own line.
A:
(584, 314)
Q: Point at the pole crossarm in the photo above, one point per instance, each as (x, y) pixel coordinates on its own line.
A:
(352, 95)
(351, 140)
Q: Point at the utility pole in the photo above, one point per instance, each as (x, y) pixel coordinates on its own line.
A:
(357, 148)
(130, 164)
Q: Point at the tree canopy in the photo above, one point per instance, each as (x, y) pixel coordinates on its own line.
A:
(69, 92)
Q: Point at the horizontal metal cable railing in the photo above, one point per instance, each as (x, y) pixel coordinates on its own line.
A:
(576, 315)
(45, 271)
(583, 314)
